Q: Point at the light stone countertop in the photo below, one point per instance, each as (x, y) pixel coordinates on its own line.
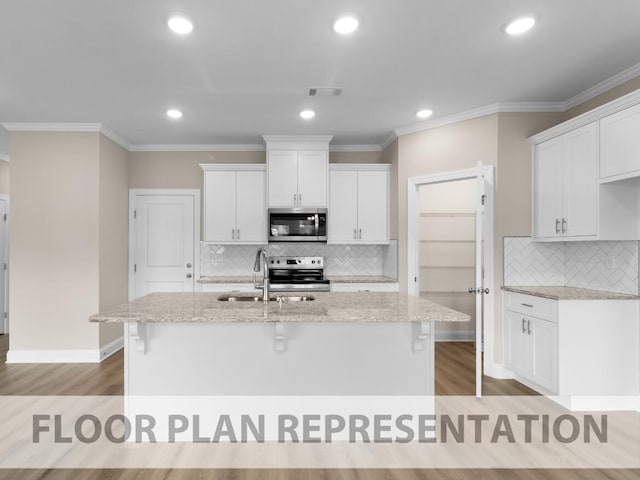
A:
(570, 293)
(333, 278)
(327, 307)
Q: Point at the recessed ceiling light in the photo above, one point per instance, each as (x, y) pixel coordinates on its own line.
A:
(174, 113)
(180, 24)
(520, 25)
(346, 24)
(422, 114)
(307, 114)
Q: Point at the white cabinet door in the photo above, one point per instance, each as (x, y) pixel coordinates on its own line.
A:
(517, 342)
(312, 178)
(251, 222)
(543, 336)
(283, 178)
(220, 206)
(580, 175)
(343, 207)
(373, 207)
(547, 189)
(620, 143)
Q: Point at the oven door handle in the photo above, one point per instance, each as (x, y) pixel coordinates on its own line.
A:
(317, 224)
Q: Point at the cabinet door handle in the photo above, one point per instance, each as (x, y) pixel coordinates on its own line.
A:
(233, 234)
(557, 226)
(355, 233)
(360, 231)
(299, 199)
(524, 323)
(564, 225)
(528, 327)
(238, 234)
(295, 200)
(526, 305)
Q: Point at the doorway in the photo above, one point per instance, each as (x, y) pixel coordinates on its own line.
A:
(4, 264)
(164, 231)
(480, 187)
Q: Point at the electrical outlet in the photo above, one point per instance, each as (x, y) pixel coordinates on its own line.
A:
(612, 261)
(218, 257)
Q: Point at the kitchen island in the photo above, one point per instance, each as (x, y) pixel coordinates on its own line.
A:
(333, 344)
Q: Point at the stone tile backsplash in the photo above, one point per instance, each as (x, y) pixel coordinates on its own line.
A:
(339, 259)
(609, 266)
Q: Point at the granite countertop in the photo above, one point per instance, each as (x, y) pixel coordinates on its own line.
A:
(333, 278)
(570, 293)
(361, 279)
(327, 307)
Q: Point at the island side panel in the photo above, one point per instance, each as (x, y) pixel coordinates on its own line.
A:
(337, 358)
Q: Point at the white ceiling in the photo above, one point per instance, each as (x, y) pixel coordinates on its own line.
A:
(244, 69)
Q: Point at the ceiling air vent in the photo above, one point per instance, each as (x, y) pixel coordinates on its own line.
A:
(323, 92)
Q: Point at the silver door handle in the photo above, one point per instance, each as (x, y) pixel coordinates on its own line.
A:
(238, 235)
(299, 199)
(295, 201)
(528, 327)
(557, 226)
(360, 234)
(188, 275)
(524, 329)
(188, 265)
(233, 234)
(564, 225)
(355, 233)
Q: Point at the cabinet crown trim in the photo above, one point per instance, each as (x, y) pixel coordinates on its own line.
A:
(217, 167)
(349, 167)
(594, 115)
(297, 142)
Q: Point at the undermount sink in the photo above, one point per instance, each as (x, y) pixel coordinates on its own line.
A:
(258, 298)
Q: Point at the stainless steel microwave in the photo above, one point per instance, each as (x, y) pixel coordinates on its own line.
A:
(297, 225)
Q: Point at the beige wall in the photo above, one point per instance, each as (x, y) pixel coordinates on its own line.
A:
(54, 240)
(390, 156)
(357, 157)
(452, 147)
(4, 177)
(179, 169)
(114, 228)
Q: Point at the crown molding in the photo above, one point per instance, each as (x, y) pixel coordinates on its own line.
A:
(4, 158)
(355, 148)
(65, 127)
(388, 141)
(197, 148)
(609, 108)
(602, 87)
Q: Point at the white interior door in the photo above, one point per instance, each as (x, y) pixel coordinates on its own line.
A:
(164, 253)
(4, 321)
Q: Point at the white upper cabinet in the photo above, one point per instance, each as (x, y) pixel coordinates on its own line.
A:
(297, 170)
(235, 204)
(358, 204)
(583, 175)
(620, 144)
(565, 185)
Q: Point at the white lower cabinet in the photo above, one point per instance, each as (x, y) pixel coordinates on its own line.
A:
(229, 287)
(585, 352)
(533, 349)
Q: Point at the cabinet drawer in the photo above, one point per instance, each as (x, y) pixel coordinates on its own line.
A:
(530, 305)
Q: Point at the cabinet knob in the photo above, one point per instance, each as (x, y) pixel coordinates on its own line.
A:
(188, 265)
(189, 275)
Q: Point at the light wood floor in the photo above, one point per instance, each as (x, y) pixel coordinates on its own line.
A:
(454, 376)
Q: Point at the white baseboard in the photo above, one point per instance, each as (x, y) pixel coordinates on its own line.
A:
(111, 348)
(65, 356)
(498, 370)
(53, 356)
(455, 336)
